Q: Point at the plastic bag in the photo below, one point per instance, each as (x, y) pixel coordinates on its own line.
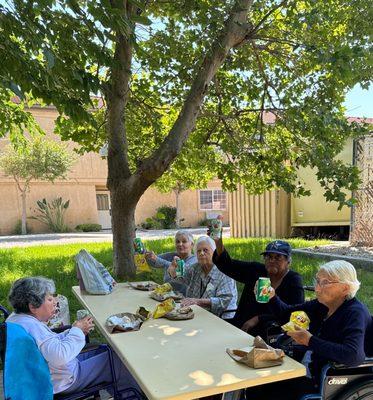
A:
(93, 276)
(62, 315)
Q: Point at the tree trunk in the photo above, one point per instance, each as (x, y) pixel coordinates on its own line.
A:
(177, 201)
(24, 216)
(124, 199)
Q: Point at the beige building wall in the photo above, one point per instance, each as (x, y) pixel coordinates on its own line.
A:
(88, 174)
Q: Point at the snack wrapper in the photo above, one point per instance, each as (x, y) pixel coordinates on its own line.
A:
(143, 313)
(181, 313)
(141, 264)
(161, 289)
(261, 356)
(164, 308)
(297, 318)
(80, 314)
(145, 286)
(164, 296)
(124, 322)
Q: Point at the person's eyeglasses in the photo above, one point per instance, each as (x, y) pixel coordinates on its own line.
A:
(273, 256)
(323, 282)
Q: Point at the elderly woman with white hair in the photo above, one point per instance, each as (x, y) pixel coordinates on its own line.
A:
(337, 329)
(207, 287)
(183, 250)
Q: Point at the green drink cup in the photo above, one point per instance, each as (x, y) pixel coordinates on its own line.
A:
(139, 246)
(262, 292)
(180, 264)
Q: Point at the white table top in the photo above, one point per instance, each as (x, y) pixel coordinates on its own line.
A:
(180, 359)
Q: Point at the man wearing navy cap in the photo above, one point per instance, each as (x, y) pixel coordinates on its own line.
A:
(251, 316)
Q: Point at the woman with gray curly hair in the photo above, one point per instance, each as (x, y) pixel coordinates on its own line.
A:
(33, 303)
(338, 326)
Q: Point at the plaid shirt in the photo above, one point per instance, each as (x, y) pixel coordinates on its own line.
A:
(215, 286)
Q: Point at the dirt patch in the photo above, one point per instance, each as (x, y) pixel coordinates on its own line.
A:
(344, 250)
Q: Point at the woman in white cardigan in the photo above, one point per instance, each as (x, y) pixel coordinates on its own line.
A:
(33, 303)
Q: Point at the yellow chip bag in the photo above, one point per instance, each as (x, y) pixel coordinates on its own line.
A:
(164, 308)
(165, 288)
(298, 318)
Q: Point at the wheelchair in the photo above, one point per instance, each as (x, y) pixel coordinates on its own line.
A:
(338, 382)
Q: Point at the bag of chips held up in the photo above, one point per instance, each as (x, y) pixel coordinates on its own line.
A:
(164, 308)
(297, 318)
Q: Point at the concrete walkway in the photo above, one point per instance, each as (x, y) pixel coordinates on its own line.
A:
(90, 237)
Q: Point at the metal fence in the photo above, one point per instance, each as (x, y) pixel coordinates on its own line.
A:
(362, 213)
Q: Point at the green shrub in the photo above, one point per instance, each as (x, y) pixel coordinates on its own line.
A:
(203, 222)
(88, 228)
(52, 214)
(152, 223)
(163, 219)
(169, 216)
(18, 228)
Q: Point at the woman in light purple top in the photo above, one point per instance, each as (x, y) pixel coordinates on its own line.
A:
(183, 246)
(33, 302)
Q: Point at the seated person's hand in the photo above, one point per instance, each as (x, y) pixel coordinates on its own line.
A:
(300, 335)
(150, 255)
(250, 324)
(172, 268)
(86, 324)
(189, 301)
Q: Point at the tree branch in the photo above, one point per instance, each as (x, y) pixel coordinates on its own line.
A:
(117, 96)
(235, 30)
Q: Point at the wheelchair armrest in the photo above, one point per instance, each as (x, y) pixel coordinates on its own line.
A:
(368, 362)
(61, 328)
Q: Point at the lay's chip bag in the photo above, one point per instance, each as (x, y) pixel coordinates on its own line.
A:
(162, 289)
(164, 308)
(298, 318)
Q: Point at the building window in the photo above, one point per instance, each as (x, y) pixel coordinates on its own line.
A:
(102, 202)
(214, 199)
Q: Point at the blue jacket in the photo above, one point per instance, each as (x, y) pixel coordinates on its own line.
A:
(26, 373)
(339, 338)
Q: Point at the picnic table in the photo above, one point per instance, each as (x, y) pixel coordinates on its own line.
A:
(180, 360)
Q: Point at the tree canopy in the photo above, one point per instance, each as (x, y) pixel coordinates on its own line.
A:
(216, 67)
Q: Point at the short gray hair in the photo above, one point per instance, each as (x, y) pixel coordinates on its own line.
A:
(31, 290)
(343, 272)
(187, 234)
(205, 239)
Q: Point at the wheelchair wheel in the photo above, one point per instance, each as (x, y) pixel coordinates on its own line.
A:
(359, 391)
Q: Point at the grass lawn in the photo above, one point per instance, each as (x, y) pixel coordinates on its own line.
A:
(57, 262)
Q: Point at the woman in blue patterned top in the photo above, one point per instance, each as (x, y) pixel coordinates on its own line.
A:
(207, 287)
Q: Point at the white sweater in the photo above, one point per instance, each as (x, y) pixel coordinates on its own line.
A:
(59, 349)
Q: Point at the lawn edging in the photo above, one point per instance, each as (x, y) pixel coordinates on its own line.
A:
(359, 262)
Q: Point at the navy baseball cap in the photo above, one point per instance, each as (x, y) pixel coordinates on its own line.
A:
(278, 247)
